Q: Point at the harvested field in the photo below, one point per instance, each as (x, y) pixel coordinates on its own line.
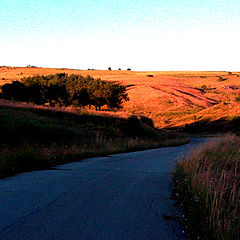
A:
(171, 99)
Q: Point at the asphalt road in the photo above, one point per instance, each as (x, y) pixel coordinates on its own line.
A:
(119, 197)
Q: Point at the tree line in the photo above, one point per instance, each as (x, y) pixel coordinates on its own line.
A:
(65, 90)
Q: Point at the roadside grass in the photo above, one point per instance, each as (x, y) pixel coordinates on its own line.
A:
(33, 139)
(207, 188)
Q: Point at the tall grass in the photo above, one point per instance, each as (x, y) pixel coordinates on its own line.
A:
(29, 157)
(207, 186)
(32, 139)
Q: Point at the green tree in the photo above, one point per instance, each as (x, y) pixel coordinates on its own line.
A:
(15, 91)
(116, 95)
(64, 90)
(57, 94)
(81, 98)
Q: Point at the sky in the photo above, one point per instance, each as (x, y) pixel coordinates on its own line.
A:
(143, 35)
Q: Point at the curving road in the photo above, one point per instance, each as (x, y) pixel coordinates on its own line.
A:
(119, 197)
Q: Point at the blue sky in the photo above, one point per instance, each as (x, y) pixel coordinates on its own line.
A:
(142, 35)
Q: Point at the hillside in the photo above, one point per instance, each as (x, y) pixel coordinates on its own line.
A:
(34, 138)
(171, 99)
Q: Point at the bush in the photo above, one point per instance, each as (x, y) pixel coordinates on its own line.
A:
(203, 88)
(221, 79)
(140, 126)
(147, 121)
(14, 91)
(150, 75)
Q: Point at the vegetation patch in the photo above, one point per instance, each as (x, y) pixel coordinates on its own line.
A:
(65, 90)
(208, 126)
(148, 96)
(221, 79)
(207, 187)
(33, 138)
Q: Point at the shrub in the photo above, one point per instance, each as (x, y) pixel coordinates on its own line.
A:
(14, 91)
(140, 126)
(147, 121)
(221, 79)
(203, 88)
(150, 75)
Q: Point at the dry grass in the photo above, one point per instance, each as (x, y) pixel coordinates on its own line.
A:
(207, 183)
(35, 137)
(29, 157)
(169, 98)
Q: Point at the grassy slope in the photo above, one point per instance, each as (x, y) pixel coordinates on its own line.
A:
(207, 180)
(207, 183)
(171, 99)
(36, 138)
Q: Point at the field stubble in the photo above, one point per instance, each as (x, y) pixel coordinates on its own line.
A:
(166, 97)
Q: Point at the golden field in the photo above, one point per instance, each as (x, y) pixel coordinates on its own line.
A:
(170, 98)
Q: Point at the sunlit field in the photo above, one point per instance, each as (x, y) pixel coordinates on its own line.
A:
(171, 99)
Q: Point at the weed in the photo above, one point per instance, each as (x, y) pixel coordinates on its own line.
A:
(207, 183)
(32, 138)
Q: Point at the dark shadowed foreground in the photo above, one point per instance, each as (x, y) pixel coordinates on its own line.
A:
(122, 196)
